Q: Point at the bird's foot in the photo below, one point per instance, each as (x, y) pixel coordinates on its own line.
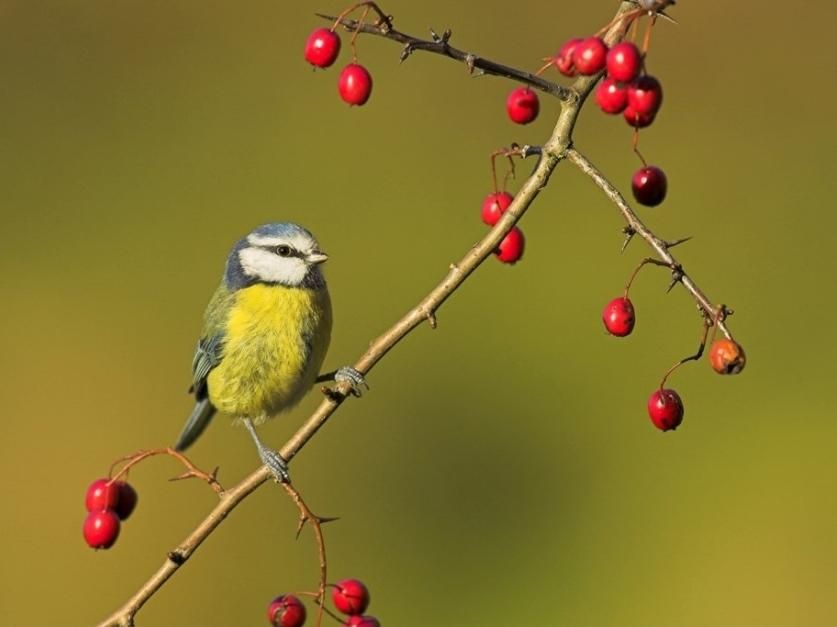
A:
(354, 378)
(277, 464)
(270, 458)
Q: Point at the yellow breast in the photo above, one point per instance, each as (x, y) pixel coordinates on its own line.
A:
(276, 340)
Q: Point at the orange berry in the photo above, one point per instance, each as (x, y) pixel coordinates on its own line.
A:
(727, 357)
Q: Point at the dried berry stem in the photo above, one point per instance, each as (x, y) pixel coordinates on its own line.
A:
(191, 472)
(646, 41)
(707, 325)
(641, 265)
(635, 146)
(383, 18)
(508, 153)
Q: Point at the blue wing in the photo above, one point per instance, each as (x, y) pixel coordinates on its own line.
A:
(207, 356)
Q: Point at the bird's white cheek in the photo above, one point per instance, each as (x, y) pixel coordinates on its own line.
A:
(267, 266)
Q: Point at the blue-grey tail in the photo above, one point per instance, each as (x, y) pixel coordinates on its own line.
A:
(198, 420)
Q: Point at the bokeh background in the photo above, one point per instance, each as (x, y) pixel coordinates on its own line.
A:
(503, 470)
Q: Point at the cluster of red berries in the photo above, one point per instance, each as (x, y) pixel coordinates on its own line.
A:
(107, 502)
(511, 247)
(355, 82)
(624, 89)
(350, 596)
(665, 407)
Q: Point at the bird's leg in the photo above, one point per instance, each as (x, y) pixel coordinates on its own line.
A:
(270, 458)
(349, 375)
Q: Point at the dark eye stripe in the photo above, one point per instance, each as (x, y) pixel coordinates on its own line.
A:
(283, 250)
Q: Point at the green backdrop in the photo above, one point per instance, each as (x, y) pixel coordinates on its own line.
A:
(503, 470)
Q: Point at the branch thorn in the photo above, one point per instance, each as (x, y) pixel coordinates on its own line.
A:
(440, 39)
(677, 242)
(629, 235)
(668, 17)
(406, 51)
(676, 276)
(431, 319)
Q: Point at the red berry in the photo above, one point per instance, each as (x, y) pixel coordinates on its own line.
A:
(494, 206)
(624, 62)
(645, 95)
(101, 529)
(649, 185)
(665, 409)
(510, 249)
(522, 105)
(355, 84)
(611, 96)
(727, 357)
(286, 611)
(590, 56)
(362, 621)
(127, 499)
(619, 317)
(322, 47)
(350, 596)
(101, 495)
(563, 61)
(637, 120)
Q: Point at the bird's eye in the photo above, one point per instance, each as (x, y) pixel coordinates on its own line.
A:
(283, 251)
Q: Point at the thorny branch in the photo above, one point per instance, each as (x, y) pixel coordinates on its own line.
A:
(439, 45)
(661, 247)
(307, 517)
(556, 148)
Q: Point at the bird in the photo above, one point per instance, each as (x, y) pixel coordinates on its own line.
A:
(266, 332)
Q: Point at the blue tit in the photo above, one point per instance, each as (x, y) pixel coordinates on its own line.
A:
(265, 336)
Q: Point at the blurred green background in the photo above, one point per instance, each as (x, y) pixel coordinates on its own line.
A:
(503, 470)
